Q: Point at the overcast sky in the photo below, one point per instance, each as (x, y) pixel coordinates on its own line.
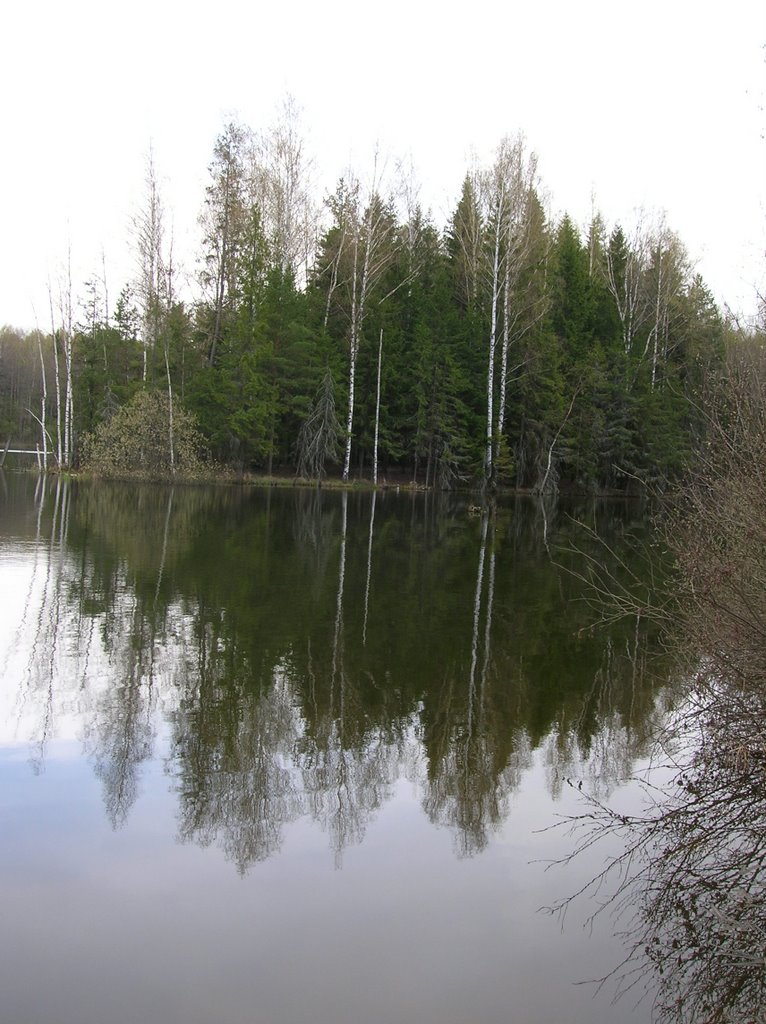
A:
(657, 105)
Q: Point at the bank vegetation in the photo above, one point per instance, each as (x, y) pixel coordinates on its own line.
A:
(354, 337)
(689, 887)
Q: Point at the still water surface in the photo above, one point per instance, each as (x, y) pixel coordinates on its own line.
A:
(275, 757)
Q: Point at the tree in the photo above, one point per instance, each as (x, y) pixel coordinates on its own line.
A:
(155, 289)
(282, 172)
(354, 257)
(63, 339)
(135, 442)
(319, 440)
(625, 266)
(690, 883)
(666, 275)
(464, 243)
(508, 204)
(223, 219)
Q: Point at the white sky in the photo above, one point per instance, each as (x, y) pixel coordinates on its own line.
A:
(659, 104)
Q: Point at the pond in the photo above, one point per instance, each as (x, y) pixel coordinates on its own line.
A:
(285, 756)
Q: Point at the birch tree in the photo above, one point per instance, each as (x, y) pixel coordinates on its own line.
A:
(519, 239)
(63, 342)
(155, 288)
(358, 250)
(377, 412)
(283, 172)
(506, 192)
(625, 267)
(372, 252)
(666, 278)
(56, 380)
(68, 343)
(148, 232)
(43, 401)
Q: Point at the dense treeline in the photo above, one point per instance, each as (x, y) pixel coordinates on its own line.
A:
(362, 339)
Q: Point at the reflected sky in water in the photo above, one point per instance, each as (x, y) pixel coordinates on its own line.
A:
(291, 756)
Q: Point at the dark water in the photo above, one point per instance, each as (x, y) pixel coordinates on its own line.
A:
(283, 757)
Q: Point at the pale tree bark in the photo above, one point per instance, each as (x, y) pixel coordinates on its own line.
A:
(105, 286)
(155, 286)
(372, 250)
(166, 346)
(148, 231)
(506, 191)
(334, 268)
(521, 173)
(68, 340)
(344, 208)
(665, 280)
(377, 412)
(285, 172)
(625, 267)
(495, 293)
(654, 334)
(57, 381)
(43, 401)
(409, 201)
(544, 484)
(65, 338)
(359, 248)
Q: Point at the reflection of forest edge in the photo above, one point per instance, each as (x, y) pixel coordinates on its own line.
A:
(306, 649)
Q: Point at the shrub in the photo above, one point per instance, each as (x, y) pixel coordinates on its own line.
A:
(136, 442)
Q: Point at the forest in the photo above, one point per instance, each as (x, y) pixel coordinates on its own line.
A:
(357, 338)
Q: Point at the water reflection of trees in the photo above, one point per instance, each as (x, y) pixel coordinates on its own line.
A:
(233, 766)
(687, 880)
(305, 650)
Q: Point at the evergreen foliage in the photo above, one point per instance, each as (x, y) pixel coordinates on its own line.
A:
(319, 439)
(516, 350)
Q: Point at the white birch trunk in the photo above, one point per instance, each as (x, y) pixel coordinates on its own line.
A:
(335, 266)
(57, 381)
(68, 341)
(504, 355)
(358, 310)
(657, 317)
(166, 341)
(377, 413)
(353, 344)
(69, 407)
(627, 294)
(43, 403)
(171, 435)
(492, 348)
